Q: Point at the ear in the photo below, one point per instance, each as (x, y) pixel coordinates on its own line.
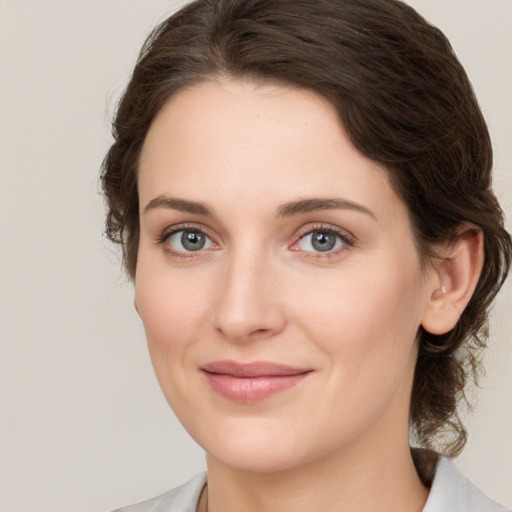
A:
(455, 281)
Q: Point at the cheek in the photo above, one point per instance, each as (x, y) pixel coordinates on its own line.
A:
(364, 316)
(366, 328)
(168, 300)
(173, 311)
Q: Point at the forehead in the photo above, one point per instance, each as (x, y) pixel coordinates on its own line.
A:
(230, 139)
(226, 111)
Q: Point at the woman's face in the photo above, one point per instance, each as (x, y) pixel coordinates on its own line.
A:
(277, 278)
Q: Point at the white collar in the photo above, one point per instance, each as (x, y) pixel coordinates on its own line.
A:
(450, 492)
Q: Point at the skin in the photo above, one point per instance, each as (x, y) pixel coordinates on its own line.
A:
(259, 291)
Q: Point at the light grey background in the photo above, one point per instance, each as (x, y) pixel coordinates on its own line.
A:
(83, 425)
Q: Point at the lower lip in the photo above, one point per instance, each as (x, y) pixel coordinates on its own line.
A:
(250, 390)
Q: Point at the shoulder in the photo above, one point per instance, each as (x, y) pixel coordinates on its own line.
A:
(451, 492)
(180, 499)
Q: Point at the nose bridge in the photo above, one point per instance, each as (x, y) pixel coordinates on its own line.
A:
(248, 305)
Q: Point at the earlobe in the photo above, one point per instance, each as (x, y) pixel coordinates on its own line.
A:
(456, 278)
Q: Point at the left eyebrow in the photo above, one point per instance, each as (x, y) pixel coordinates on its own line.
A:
(317, 204)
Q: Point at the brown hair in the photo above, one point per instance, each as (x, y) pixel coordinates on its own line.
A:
(405, 101)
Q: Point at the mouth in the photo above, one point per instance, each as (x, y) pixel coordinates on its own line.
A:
(249, 383)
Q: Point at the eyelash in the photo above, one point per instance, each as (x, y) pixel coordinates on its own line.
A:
(346, 239)
(168, 233)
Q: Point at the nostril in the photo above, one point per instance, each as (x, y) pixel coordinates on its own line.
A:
(259, 331)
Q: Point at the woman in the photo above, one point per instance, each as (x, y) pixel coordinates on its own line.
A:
(302, 195)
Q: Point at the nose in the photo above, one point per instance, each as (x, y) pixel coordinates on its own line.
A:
(250, 305)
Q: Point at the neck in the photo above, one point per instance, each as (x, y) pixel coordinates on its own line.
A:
(386, 481)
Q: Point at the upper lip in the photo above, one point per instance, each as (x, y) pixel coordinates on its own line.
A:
(254, 369)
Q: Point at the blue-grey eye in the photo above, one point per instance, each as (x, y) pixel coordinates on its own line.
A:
(320, 241)
(189, 240)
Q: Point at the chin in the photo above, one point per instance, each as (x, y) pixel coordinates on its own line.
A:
(254, 459)
(260, 447)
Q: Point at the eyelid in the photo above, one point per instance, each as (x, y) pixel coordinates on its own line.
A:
(169, 231)
(347, 238)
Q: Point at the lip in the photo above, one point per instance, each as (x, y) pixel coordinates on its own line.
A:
(249, 383)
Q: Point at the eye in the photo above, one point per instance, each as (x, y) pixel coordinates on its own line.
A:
(322, 240)
(188, 240)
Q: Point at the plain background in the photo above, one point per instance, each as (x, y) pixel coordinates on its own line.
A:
(83, 425)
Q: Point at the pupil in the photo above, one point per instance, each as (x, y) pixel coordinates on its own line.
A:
(323, 241)
(192, 240)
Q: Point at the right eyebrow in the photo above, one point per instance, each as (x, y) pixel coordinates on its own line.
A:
(182, 205)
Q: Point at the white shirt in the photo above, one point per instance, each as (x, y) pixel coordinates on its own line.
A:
(450, 492)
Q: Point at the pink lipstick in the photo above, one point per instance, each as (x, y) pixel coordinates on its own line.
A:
(250, 383)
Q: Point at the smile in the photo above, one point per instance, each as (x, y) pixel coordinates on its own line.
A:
(253, 382)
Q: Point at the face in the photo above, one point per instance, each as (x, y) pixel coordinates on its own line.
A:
(277, 278)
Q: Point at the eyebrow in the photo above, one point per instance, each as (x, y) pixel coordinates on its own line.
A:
(288, 209)
(317, 204)
(182, 205)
